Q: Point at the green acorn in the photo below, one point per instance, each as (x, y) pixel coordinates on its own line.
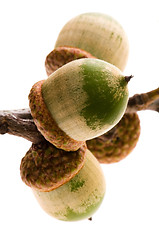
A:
(81, 100)
(69, 186)
(116, 144)
(98, 34)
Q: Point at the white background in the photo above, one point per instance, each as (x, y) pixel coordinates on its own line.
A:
(28, 31)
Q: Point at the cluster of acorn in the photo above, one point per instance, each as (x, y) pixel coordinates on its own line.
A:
(81, 110)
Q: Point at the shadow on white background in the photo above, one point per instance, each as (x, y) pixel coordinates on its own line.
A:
(130, 209)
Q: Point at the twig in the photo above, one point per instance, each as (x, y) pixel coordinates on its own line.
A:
(144, 101)
(19, 123)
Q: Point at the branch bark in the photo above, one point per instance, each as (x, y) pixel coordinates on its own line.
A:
(144, 101)
(20, 123)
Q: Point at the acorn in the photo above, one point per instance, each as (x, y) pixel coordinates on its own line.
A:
(119, 142)
(98, 34)
(69, 186)
(112, 146)
(81, 100)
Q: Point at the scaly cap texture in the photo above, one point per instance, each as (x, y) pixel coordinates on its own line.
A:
(46, 124)
(62, 55)
(116, 144)
(46, 168)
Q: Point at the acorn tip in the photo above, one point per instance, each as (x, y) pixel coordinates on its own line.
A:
(127, 78)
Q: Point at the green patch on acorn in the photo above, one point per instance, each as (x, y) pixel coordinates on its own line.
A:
(76, 184)
(72, 215)
(108, 98)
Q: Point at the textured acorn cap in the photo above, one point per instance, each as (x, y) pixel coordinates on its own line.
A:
(46, 168)
(62, 55)
(119, 142)
(46, 124)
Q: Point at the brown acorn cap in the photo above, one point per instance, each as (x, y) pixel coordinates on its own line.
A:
(62, 55)
(46, 124)
(46, 168)
(116, 144)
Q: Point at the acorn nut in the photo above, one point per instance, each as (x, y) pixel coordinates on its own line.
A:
(69, 186)
(81, 100)
(99, 34)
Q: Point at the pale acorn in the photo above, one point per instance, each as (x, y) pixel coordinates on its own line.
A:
(81, 100)
(69, 186)
(98, 34)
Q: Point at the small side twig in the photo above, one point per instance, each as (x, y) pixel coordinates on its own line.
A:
(144, 101)
(154, 106)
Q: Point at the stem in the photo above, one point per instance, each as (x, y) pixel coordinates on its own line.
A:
(154, 106)
(20, 122)
(127, 78)
(144, 101)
